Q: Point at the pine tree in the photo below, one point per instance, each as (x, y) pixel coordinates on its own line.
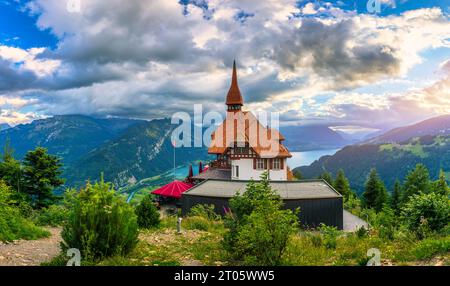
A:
(298, 175)
(10, 168)
(396, 196)
(326, 176)
(41, 175)
(440, 186)
(418, 180)
(375, 194)
(342, 185)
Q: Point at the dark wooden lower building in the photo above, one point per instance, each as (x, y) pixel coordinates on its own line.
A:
(318, 201)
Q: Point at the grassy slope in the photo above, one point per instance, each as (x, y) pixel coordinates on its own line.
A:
(163, 246)
(14, 227)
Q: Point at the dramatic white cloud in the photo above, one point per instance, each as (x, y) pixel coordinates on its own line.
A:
(149, 59)
(28, 60)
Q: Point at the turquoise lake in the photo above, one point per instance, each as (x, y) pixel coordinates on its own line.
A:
(307, 157)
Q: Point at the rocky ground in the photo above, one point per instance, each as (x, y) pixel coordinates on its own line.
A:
(30, 252)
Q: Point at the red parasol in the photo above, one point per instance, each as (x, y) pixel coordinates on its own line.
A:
(173, 189)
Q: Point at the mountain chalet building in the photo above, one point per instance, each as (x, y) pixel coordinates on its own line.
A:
(244, 149)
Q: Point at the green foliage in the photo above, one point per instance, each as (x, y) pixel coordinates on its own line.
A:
(427, 248)
(426, 212)
(54, 215)
(386, 223)
(297, 174)
(258, 230)
(362, 232)
(375, 194)
(330, 235)
(342, 185)
(316, 240)
(205, 211)
(326, 176)
(396, 196)
(353, 204)
(416, 181)
(10, 168)
(147, 214)
(41, 175)
(196, 222)
(262, 240)
(13, 225)
(440, 186)
(101, 224)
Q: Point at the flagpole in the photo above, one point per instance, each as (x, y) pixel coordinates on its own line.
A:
(173, 144)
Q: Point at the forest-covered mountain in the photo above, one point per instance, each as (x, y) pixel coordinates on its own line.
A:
(392, 160)
(123, 149)
(143, 150)
(67, 136)
(434, 126)
(312, 137)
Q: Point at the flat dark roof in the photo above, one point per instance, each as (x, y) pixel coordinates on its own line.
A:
(306, 189)
(213, 173)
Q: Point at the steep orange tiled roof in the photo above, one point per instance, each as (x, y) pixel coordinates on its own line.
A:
(243, 127)
(234, 96)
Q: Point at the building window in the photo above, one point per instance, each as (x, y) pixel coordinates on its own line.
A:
(260, 164)
(276, 164)
(236, 172)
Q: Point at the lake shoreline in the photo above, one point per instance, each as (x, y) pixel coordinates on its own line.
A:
(306, 158)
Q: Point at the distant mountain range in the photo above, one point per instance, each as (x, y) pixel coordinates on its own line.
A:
(68, 136)
(312, 137)
(127, 150)
(4, 126)
(433, 126)
(393, 154)
(124, 150)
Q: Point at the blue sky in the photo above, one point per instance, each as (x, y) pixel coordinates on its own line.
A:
(329, 62)
(18, 28)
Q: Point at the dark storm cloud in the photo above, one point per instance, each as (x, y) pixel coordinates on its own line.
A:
(11, 79)
(325, 49)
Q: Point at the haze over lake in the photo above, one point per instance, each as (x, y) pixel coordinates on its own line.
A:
(307, 157)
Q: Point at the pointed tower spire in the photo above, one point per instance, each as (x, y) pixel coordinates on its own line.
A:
(234, 98)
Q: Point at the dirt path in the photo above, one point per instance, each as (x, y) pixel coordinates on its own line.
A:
(30, 252)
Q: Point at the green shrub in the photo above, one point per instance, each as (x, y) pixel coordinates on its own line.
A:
(13, 225)
(206, 211)
(316, 240)
(429, 247)
(258, 229)
(256, 194)
(264, 237)
(147, 214)
(196, 222)
(445, 231)
(101, 224)
(54, 215)
(362, 232)
(330, 235)
(386, 223)
(425, 213)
